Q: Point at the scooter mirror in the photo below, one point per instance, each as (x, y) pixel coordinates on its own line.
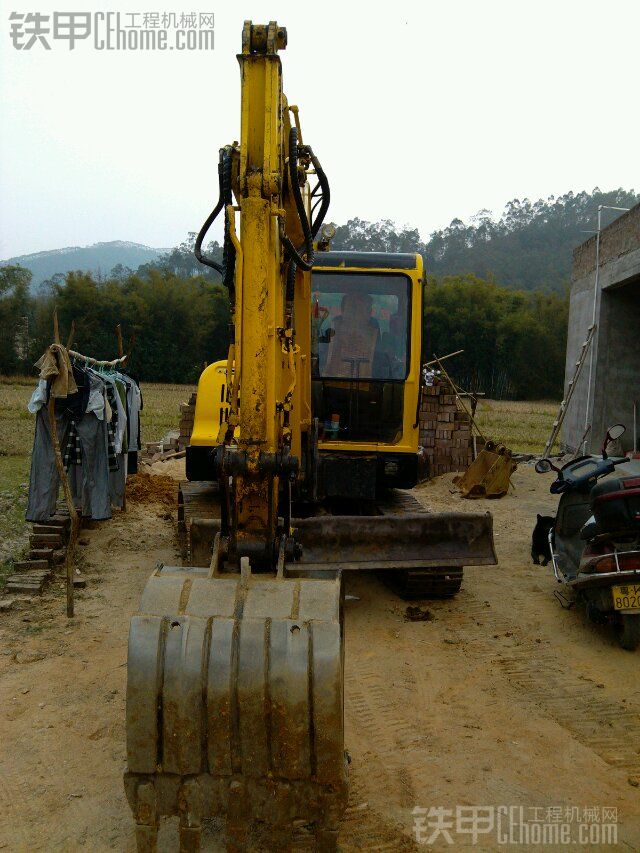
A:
(616, 431)
(543, 466)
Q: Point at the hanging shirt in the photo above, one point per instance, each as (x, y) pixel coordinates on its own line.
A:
(119, 414)
(73, 451)
(74, 404)
(38, 398)
(96, 402)
(122, 393)
(134, 404)
(56, 366)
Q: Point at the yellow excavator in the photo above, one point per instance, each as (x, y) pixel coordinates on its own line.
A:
(303, 443)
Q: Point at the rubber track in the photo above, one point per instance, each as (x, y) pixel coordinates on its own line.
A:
(432, 583)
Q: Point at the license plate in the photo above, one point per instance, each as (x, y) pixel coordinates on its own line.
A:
(626, 596)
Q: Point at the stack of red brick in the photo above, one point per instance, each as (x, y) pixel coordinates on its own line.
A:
(445, 430)
(187, 417)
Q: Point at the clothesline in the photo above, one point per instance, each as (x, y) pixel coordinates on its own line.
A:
(89, 360)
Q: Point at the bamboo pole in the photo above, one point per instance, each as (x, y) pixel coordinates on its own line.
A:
(114, 362)
(72, 332)
(438, 361)
(94, 361)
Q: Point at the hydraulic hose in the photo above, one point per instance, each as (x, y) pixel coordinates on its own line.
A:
(314, 227)
(326, 193)
(291, 283)
(292, 253)
(227, 267)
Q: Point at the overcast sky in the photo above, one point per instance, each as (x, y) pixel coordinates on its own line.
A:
(419, 111)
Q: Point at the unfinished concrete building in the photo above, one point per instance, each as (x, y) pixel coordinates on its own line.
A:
(607, 389)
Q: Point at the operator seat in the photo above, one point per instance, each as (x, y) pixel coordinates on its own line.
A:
(354, 340)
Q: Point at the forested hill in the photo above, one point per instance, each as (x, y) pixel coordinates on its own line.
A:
(98, 259)
(529, 247)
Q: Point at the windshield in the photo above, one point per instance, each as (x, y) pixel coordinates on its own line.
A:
(360, 325)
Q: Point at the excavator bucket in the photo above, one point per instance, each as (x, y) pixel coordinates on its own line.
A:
(489, 474)
(235, 708)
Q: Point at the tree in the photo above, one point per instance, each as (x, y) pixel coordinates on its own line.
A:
(529, 247)
(361, 236)
(182, 262)
(16, 308)
(514, 342)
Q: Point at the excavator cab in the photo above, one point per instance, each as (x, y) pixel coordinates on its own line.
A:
(365, 369)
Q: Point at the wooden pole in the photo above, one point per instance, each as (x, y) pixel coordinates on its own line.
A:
(438, 360)
(97, 362)
(73, 515)
(72, 332)
(458, 397)
(124, 461)
(120, 347)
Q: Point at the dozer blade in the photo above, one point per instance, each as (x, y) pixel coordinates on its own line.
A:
(411, 541)
(235, 707)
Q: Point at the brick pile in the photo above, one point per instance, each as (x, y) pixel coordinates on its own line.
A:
(187, 416)
(445, 430)
(47, 549)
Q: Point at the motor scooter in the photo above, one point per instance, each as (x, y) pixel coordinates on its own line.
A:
(595, 541)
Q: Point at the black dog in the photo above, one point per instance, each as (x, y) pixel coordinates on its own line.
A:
(540, 539)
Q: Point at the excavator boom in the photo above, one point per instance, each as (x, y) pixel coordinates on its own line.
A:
(235, 679)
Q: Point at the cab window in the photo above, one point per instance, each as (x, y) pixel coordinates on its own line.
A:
(360, 326)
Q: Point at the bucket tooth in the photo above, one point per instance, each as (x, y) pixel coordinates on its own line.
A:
(146, 815)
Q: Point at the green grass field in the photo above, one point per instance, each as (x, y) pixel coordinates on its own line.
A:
(523, 427)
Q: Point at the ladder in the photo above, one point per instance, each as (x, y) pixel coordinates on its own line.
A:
(557, 424)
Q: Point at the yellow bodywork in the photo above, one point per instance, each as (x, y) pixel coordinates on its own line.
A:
(408, 441)
(212, 407)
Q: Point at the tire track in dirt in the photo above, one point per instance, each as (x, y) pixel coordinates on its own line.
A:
(14, 816)
(536, 673)
(394, 740)
(21, 808)
(363, 829)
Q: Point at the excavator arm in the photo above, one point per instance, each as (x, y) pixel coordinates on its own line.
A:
(235, 678)
(273, 254)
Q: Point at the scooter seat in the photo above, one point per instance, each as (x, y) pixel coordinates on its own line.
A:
(616, 504)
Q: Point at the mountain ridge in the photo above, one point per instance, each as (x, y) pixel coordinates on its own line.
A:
(97, 258)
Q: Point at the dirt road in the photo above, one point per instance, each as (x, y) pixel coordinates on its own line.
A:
(500, 699)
